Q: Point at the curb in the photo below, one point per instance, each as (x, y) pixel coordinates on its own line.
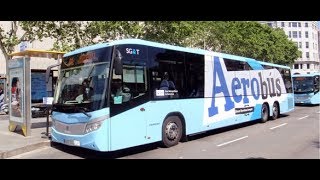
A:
(28, 148)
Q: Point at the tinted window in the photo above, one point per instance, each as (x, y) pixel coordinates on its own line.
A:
(167, 73)
(132, 52)
(234, 65)
(130, 89)
(286, 76)
(195, 75)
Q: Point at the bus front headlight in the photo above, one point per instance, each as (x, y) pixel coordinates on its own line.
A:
(93, 126)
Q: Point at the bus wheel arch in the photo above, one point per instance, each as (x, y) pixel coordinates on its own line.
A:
(173, 129)
(264, 112)
(275, 110)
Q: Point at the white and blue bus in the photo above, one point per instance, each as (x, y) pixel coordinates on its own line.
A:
(132, 92)
(306, 88)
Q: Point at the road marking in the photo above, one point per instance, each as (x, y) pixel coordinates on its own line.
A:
(232, 141)
(279, 126)
(303, 117)
(318, 112)
(203, 150)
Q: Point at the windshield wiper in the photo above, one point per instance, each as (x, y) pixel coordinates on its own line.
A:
(83, 110)
(72, 106)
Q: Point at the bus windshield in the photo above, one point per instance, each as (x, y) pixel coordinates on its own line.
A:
(303, 84)
(83, 82)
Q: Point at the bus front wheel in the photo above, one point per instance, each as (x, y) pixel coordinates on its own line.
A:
(171, 131)
(264, 113)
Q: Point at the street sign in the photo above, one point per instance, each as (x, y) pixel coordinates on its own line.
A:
(47, 100)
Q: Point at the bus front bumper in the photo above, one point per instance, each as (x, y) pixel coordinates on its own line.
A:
(96, 140)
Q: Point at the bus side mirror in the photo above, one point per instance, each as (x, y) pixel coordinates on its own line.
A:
(118, 63)
(118, 66)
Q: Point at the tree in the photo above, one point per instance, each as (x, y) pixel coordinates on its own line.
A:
(249, 39)
(171, 32)
(67, 35)
(9, 39)
(252, 39)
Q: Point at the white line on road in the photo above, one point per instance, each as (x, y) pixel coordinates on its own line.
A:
(318, 112)
(303, 117)
(279, 126)
(232, 141)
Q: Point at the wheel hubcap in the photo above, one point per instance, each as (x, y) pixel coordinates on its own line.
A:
(264, 112)
(275, 111)
(172, 131)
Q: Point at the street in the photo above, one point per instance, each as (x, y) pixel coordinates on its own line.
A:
(292, 136)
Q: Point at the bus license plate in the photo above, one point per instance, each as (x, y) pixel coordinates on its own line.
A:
(72, 142)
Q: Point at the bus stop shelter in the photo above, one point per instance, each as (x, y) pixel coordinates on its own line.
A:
(19, 83)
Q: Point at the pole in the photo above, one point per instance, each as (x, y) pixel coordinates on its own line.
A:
(47, 134)
(48, 106)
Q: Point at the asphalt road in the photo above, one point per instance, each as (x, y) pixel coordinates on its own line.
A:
(292, 136)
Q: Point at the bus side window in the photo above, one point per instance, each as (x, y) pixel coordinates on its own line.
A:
(317, 83)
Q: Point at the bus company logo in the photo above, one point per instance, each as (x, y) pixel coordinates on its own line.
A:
(132, 51)
(258, 85)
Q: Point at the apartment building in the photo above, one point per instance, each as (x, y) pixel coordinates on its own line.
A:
(306, 36)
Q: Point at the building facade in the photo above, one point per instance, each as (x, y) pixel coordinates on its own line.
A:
(306, 36)
(35, 63)
(38, 66)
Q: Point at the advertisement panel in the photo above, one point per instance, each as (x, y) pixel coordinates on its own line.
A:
(19, 94)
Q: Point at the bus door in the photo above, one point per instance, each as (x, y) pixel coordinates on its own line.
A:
(129, 93)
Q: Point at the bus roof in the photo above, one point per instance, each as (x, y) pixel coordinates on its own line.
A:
(272, 64)
(153, 44)
(134, 41)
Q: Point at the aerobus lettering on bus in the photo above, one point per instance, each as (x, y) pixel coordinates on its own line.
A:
(268, 86)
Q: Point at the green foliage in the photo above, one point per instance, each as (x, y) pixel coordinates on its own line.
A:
(249, 39)
(68, 35)
(8, 39)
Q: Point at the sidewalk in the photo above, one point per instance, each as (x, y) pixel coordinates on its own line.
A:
(14, 143)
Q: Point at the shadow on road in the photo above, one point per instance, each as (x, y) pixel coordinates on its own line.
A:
(91, 154)
(307, 105)
(316, 143)
(229, 128)
(256, 158)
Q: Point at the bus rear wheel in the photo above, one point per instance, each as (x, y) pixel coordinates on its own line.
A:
(275, 111)
(171, 131)
(264, 113)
